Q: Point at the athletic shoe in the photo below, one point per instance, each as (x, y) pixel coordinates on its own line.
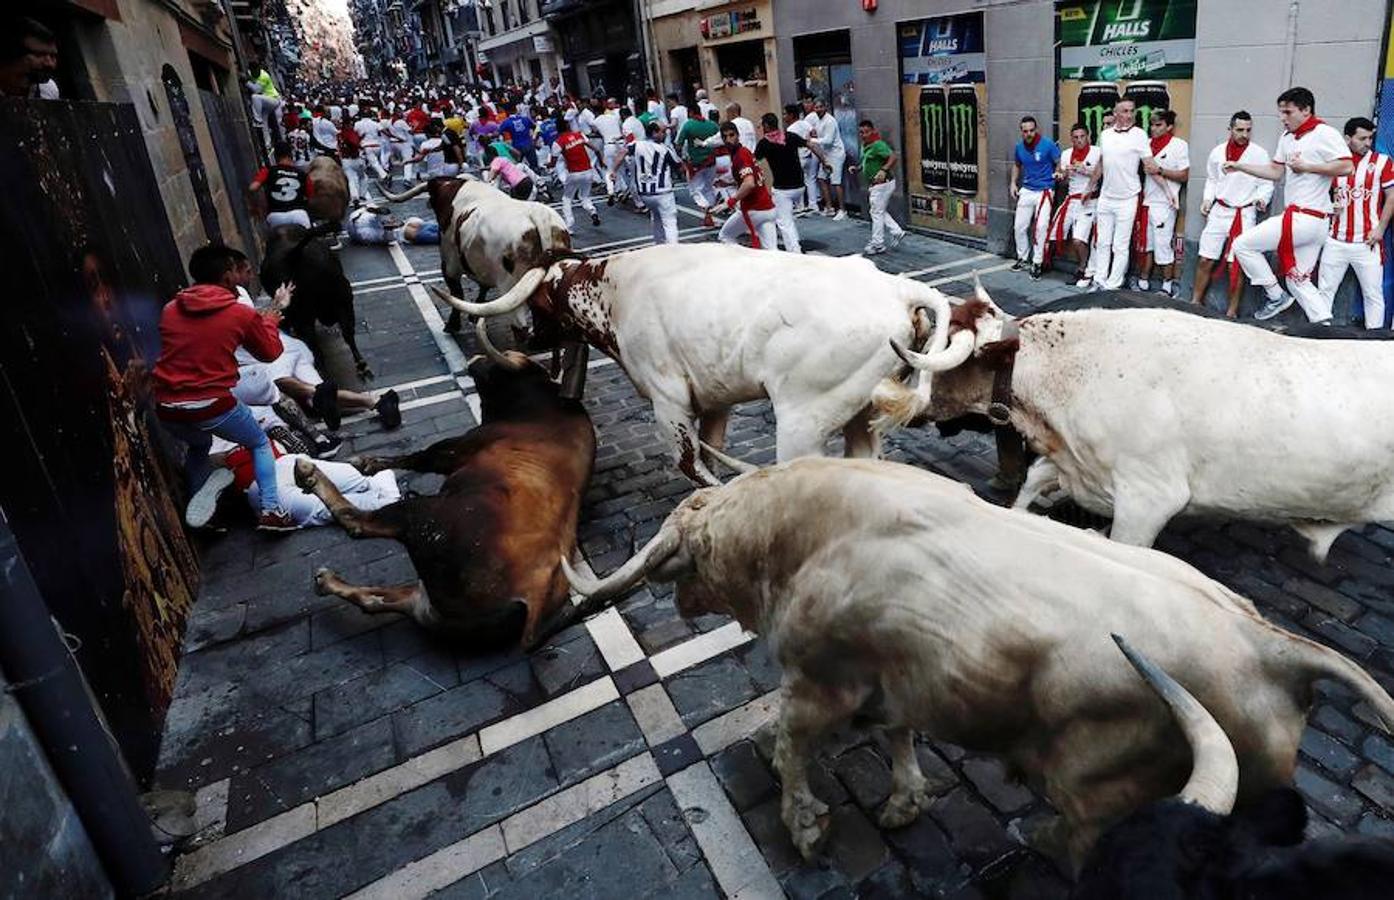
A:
(204, 502)
(326, 446)
(1035, 272)
(826, 212)
(803, 211)
(873, 250)
(325, 404)
(1094, 288)
(389, 410)
(609, 199)
(1018, 265)
(595, 219)
(1083, 281)
(1167, 288)
(1273, 306)
(276, 520)
(840, 215)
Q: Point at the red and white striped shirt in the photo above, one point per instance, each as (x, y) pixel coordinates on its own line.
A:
(1359, 197)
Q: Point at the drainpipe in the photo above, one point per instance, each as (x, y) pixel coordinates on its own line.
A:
(1290, 44)
(50, 689)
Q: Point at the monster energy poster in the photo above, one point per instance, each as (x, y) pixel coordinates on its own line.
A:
(943, 94)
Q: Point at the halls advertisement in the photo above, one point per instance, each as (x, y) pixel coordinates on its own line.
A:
(943, 94)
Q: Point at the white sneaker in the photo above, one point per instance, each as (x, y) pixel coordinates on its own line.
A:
(1272, 307)
(873, 250)
(1084, 282)
(204, 502)
(841, 215)
(826, 212)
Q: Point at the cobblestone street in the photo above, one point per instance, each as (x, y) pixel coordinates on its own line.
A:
(335, 753)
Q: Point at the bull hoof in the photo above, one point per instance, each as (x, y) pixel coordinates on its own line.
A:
(902, 809)
(808, 825)
(322, 576)
(306, 475)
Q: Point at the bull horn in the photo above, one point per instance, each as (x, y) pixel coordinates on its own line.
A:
(738, 466)
(981, 293)
(513, 363)
(959, 349)
(414, 191)
(1214, 780)
(657, 550)
(514, 298)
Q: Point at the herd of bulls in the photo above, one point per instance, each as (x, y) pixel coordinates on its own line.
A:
(1154, 707)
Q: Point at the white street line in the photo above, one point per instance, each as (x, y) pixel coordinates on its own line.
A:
(699, 649)
(418, 383)
(966, 276)
(643, 238)
(948, 265)
(740, 723)
(454, 359)
(242, 847)
(419, 402)
(367, 281)
(379, 288)
(383, 786)
(548, 816)
(438, 870)
(210, 809)
(657, 716)
(554, 712)
(735, 861)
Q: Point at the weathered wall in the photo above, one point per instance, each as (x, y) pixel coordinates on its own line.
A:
(47, 853)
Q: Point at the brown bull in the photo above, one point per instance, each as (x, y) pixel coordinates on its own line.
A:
(485, 546)
(329, 192)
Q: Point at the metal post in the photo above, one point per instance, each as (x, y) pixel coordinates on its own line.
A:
(50, 688)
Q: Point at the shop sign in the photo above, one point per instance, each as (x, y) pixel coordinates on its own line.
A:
(725, 24)
(542, 43)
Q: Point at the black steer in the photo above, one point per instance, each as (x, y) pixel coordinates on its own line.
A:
(1193, 848)
(322, 293)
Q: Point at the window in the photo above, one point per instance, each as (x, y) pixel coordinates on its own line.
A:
(504, 16)
(523, 12)
(741, 62)
(489, 19)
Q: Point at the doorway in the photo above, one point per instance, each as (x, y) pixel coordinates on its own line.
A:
(823, 70)
(689, 71)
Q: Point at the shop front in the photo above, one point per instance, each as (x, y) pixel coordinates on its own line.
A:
(726, 48)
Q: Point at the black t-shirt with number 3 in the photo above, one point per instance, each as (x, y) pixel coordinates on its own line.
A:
(286, 188)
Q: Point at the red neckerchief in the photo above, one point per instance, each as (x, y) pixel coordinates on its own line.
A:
(1233, 151)
(1078, 156)
(775, 137)
(1031, 144)
(871, 138)
(1306, 126)
(1159, 143)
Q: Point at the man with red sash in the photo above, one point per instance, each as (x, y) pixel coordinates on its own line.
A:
(1032, 187)
(1161, 192)
(1124, 148)
(1232, 204)
(1074, 220)
(1309, 155)
(1364, 206)
(575, 170)
(752, 199)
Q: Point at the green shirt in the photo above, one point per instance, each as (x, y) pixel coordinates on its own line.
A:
(268, 87)
(694, 130)
(874, 156)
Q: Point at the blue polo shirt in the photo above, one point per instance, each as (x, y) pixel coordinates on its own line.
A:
(521, 129)
(1038, 165)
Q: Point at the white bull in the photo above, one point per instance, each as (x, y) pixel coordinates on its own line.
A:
(489, 237)
(891, 592)
(1143, 414)
(701, 327)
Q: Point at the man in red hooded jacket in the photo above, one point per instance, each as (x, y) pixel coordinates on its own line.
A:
(200, 330)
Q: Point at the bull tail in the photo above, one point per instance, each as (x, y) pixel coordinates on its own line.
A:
(1319, 661)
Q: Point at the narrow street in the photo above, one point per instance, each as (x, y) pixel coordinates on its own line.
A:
(335, 753)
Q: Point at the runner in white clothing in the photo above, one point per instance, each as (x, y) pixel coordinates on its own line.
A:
(1364, 206)
(1161, 199)
(1122, 148)
(1310, 153)
(655, 168)
(1074, 219)
(829, 138)
(1232, 204)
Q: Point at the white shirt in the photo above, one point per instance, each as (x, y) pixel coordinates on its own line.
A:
(803, 128)
(828, 136)
(677, 116)
(706, 106)
(369, 131)
(401, 130)
(1079, 179)
(1122, 152)
(1308, 190)
(325, 132)
(746, 131)
(1175, 156)
(435, 156)
(607, 125)
(1236, 189)
(657, 111)
(634, 128)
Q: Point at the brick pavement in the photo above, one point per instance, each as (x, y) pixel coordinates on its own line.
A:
(335, 752)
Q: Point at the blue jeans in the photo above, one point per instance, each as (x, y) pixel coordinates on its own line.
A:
(239, 426)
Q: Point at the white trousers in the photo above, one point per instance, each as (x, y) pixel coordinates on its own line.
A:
(366, 492)
(1033, 211)
(878, 198)
(1308, 237)
(762, 219)
(811, 167)
(700, 187)
(372, 160)
(1217, 226)
(1339, 255)
(357, 180)
(256, 386)
(608, 154)
(663, 215)
(1161, 229)
(403, 152)
(1113, 232)
(577, 187)
(785, 200)
(288, 217)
